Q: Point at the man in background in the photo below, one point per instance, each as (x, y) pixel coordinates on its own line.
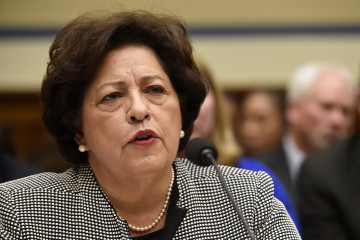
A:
(329, 191)
(320, 108)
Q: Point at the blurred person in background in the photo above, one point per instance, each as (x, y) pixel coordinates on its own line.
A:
(214, 124)
(10, 166)
(320, 107)
(329, 191)
(259, 122)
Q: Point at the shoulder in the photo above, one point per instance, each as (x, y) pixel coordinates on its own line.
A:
(197, 171)
(239, 180)
(252, 191)
(43, 181)
(30, 196)
(254, 164)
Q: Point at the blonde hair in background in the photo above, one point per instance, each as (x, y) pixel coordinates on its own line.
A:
(222, 135)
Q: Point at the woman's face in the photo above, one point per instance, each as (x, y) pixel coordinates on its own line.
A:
(259, 127)
(131, 114)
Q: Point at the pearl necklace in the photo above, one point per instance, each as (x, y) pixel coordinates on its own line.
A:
(157, 220)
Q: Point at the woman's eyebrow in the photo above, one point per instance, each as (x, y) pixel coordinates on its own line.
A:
(151, 77)
(113, 83)
(123, 83)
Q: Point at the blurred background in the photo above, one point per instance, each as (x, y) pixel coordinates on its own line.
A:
(246, 44)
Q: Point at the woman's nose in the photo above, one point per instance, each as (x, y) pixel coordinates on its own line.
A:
(138, 109)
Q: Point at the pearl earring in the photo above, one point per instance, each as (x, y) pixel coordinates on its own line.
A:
(82, 148)
(182, 134)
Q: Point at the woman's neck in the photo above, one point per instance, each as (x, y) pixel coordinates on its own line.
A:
(138, 199)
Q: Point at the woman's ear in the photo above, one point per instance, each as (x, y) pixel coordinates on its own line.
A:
(79, 139)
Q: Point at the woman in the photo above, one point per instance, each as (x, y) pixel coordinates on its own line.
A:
(213, 122)
(260, 122)
(119, 94)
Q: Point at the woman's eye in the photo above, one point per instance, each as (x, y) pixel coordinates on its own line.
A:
(155, 89)
(112, 96)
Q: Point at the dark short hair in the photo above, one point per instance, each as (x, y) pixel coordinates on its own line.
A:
(81, 46)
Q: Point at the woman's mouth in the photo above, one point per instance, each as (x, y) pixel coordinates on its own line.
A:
(144, 137)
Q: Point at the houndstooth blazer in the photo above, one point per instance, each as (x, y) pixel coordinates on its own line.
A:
(71, 205)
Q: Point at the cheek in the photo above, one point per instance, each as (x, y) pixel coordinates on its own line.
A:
(204, 124)
(169, 116)
(208, 107)
(316, 117)
(275, 126)
(312, 124)
(308, 116)
(102, 127)
(206, 110)
(170, 122)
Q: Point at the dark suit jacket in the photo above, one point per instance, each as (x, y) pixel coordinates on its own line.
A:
(276, 160)
(11, 168)
(329, 191)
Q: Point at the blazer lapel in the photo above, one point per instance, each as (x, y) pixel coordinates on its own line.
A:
(175, 215)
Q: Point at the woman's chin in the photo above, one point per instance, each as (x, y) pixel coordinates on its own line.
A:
(148, 165)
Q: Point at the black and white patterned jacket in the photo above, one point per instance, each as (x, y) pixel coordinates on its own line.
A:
(71, 205)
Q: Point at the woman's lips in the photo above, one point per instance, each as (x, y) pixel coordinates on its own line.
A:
(144, 137)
